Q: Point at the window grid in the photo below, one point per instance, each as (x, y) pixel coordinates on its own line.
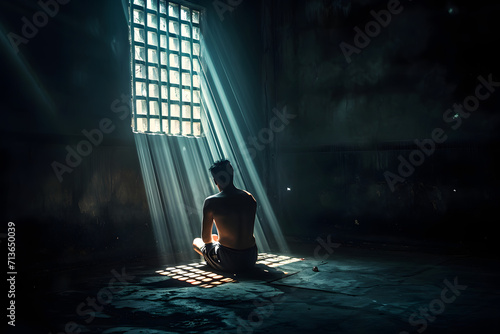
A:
(165, 42)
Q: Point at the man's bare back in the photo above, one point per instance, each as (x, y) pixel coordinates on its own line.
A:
(233, 211)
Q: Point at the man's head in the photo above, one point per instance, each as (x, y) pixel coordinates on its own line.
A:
(222, 172)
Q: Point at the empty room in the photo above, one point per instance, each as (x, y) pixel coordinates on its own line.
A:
(250, 166)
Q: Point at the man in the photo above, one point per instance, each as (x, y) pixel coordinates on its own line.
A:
(233, 212)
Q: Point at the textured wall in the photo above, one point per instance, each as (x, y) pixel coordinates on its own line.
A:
(358, 111)
(70, 78)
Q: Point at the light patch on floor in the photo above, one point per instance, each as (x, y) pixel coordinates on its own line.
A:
(199, 274)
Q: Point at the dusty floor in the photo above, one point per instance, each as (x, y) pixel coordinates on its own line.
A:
(354, 290)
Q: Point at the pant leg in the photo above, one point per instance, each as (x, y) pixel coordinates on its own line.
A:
(210, 254)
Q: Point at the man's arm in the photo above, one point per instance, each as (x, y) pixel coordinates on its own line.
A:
(207, 223)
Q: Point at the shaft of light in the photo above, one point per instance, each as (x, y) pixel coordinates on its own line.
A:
(176, 177)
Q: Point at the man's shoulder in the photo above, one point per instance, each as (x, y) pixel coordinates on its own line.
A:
(211, 198)
(248, 195)
(223, 196)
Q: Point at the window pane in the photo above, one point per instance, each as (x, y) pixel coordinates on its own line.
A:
(186, 47)
(152, 20)
(153, 91)
(196, 49)
(142, 124)
(186, 111)
(173, 27)
(163, 7)
(186, 128)
(175, 94)
(152, 38)
(139, 35)
(196, 128)
(154, 125)
(139, 2)
(138, 16)
(175, 127)
(164, 75)
(186, 95)
(163, 41)
(196, 112)
(152, 56)
(186, 63)
(140, 89)
(174, 44)
(186, 79)
(141, 107)
(140, 53)
(163, 24)
(163, 55)
(140, 71)
(173, 10)
(175, 110)
(165, 125)
(185, 30)
(196, 16)
(174, 77)
(152, 73)
(196, 96)
(152, 4)
(174, 60)
(154, 108)
(196, 81)
(196, 33)
(184, 14)
(196, 65)
(164, 92)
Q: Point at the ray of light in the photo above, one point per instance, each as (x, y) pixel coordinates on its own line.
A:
(175, 170)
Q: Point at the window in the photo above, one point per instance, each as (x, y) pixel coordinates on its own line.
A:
(165, 45)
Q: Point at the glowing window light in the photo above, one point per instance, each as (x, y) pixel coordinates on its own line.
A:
(191, 274)
(272, 261)
(165, 47)
(207, 279)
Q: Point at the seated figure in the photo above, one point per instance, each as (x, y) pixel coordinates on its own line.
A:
(232, 210)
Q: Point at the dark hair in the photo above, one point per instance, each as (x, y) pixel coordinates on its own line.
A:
(222, 172)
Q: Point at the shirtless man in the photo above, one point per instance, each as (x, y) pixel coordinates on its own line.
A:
(233, 212)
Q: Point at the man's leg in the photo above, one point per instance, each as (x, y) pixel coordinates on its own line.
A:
(197, 244)
(209, 254)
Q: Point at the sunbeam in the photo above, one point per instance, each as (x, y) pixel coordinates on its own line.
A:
(175, 168)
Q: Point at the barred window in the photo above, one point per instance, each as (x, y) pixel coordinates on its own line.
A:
(165, 45)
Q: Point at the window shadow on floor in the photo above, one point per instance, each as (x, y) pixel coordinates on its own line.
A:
(201, 275)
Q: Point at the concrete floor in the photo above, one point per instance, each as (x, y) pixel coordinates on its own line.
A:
(356, 289)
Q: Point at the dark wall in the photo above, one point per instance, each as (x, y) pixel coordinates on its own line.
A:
(357, 116)
(70, 76)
